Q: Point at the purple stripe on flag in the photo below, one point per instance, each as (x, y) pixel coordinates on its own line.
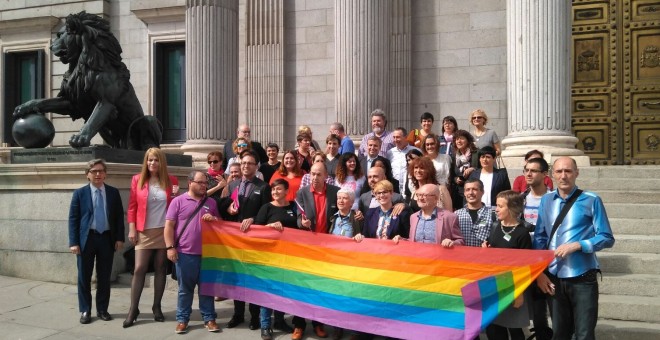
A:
(473, 313)
(372, 325)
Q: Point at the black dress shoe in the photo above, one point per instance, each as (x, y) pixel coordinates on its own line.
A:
(235, 321)
(105, 316)
(130, 320)
(85, 318)
(266, 334)
(254, 324)
(282, 326)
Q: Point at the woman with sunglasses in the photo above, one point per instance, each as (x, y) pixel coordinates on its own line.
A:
(240, 144)
(215, 175)
(482, 135)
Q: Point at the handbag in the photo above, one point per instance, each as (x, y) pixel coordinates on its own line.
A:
(500, 165)
(176, 242)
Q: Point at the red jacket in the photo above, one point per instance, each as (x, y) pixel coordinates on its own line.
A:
(137, 201)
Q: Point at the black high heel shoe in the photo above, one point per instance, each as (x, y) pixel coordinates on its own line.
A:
(129, 322)
(158, 314)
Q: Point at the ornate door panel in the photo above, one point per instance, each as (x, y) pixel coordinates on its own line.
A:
(616, 80)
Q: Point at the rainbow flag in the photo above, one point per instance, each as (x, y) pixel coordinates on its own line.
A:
(408, 291)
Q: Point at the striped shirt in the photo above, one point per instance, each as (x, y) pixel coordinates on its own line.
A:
(586, 222)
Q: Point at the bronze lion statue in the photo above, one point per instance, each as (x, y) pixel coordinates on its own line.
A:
(96, 88)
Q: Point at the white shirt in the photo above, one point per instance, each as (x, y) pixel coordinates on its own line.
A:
(442, 164)
(487, 178)
(397, 159)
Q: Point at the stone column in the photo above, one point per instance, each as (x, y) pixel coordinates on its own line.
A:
(539, 80)
(211, 75)
(363, 54)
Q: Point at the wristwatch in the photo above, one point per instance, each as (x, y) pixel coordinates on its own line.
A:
(170, 247)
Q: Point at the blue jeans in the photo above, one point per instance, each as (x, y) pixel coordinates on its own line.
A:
(264, 317)
(188, 270)
(574, 309)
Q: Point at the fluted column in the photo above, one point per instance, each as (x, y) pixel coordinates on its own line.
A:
(363, 50)
(211, 74)
(539, 79)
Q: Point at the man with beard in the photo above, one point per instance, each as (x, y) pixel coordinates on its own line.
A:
(378, 124)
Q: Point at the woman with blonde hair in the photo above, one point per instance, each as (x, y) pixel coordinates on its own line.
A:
(151, 192)
(239, 145)
(482, 135)
(304, 129)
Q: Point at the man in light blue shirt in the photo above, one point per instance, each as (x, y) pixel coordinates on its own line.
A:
(571, 277)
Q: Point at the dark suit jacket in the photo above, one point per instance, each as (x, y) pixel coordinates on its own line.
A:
(81, 214)
(249, 205)
(365, 201)
(398, 226)
(500, 182)
(306, 200)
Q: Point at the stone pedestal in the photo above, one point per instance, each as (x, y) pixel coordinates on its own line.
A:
(211, 75)
(539, 81)
(34, 241)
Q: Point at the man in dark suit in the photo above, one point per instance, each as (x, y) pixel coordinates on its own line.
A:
(319, 203)
(96, 230)
(368, 199)
(244, 131)
(251, 194)
(494, 180)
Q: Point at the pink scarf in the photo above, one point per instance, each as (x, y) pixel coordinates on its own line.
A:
(214, 173)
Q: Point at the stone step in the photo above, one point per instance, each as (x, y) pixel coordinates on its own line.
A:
(630, 308)
(621, 172)
(626, 330)
(614, 196)
(629, 263)
(630, 284)
(635, 244)
(634, 226)
(623, 184)
(633, 210)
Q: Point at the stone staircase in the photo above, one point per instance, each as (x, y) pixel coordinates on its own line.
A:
(629, 304)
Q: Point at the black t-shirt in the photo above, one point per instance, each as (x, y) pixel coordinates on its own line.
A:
(268, 170)
(270, 213)
(520, 238)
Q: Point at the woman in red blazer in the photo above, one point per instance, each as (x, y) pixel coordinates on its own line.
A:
(152, 191)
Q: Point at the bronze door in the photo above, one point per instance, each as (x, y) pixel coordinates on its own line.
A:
(616, 80)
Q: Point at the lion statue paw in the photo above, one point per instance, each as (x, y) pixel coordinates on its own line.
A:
(79, 140)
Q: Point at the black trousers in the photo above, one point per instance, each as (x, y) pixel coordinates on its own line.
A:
(99, 247)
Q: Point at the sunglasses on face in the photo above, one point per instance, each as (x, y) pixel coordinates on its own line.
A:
(242, 145)
(477, 117)
(214, 162)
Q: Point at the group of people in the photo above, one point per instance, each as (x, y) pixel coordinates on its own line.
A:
(398, 186)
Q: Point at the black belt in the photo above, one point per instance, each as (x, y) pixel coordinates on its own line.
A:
(97, 233)
(590, 275)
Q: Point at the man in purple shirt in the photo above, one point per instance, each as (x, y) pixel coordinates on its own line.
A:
(184, 247)
(378, 125)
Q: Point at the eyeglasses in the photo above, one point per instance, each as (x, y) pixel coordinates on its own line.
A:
(477, 117)
(201, 182)
(381, 193)
(424, 196)
(242, 145)
(248, 163)
(214, 162)
(534, 171)
(245, 131)
(96, 172)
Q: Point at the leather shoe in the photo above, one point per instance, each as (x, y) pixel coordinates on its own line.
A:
(181, 328)
(297, 334)
(212, 326)
(158, 314)
(266, 334)
(320, 332)
(254, 324)
(235, 321)
(85, 318)
(282, 326)
(104, 315)
(130, 320)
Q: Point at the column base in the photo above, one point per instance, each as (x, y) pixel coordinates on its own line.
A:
(553, 147)
(200, 149)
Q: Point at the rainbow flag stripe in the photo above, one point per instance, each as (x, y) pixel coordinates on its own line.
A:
(408, 291)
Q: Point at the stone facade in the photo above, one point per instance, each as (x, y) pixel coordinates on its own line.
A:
(444, 57)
